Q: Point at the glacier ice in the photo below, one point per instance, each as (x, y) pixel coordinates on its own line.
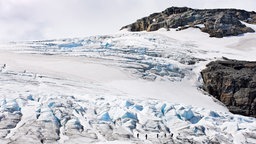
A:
(52, 109)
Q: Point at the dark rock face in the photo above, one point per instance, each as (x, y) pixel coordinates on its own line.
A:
(217, 22)
(233, 83)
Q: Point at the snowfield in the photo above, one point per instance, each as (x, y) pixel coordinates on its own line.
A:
(118, 89)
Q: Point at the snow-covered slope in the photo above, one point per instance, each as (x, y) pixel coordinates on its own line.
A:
(119, 88)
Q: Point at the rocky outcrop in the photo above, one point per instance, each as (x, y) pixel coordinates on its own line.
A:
(217, 22)
(233, 83)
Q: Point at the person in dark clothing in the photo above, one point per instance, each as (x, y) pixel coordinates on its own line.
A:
(146, 136)
(138, 135)
(3, 67)
(157, 135)
(165, 135)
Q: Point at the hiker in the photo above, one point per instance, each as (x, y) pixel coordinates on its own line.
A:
(146, 136)
(2, 68)
(138, 135)
(165, 135)
(35, 76)
(157, 135)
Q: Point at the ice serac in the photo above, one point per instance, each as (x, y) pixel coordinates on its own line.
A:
(217, 22)
(233, 83)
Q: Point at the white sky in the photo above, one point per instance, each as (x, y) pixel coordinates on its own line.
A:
(47, 19)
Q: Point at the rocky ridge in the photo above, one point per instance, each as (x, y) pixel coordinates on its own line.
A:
(233, 83)
(216, 22)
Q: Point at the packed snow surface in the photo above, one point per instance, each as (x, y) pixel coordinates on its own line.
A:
(121, 88)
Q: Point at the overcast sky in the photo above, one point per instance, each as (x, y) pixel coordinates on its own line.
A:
(47, 19)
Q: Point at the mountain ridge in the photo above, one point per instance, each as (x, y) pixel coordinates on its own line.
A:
(217, 22)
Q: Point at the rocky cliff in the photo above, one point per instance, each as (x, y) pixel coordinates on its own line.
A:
(233, 83)
(216, 22)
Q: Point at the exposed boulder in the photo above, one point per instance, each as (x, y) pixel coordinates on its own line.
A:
(217, 22)
(233, 83)
(225, 24)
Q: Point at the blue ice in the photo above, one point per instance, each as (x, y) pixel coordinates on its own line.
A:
(129, 116)
(139, 107)
(70, 45)
(105, 117)
(128, 104)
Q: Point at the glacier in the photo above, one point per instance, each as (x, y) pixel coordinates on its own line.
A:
(118, 89)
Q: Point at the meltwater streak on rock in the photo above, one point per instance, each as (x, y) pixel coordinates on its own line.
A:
(217, 22)
(233, 83)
